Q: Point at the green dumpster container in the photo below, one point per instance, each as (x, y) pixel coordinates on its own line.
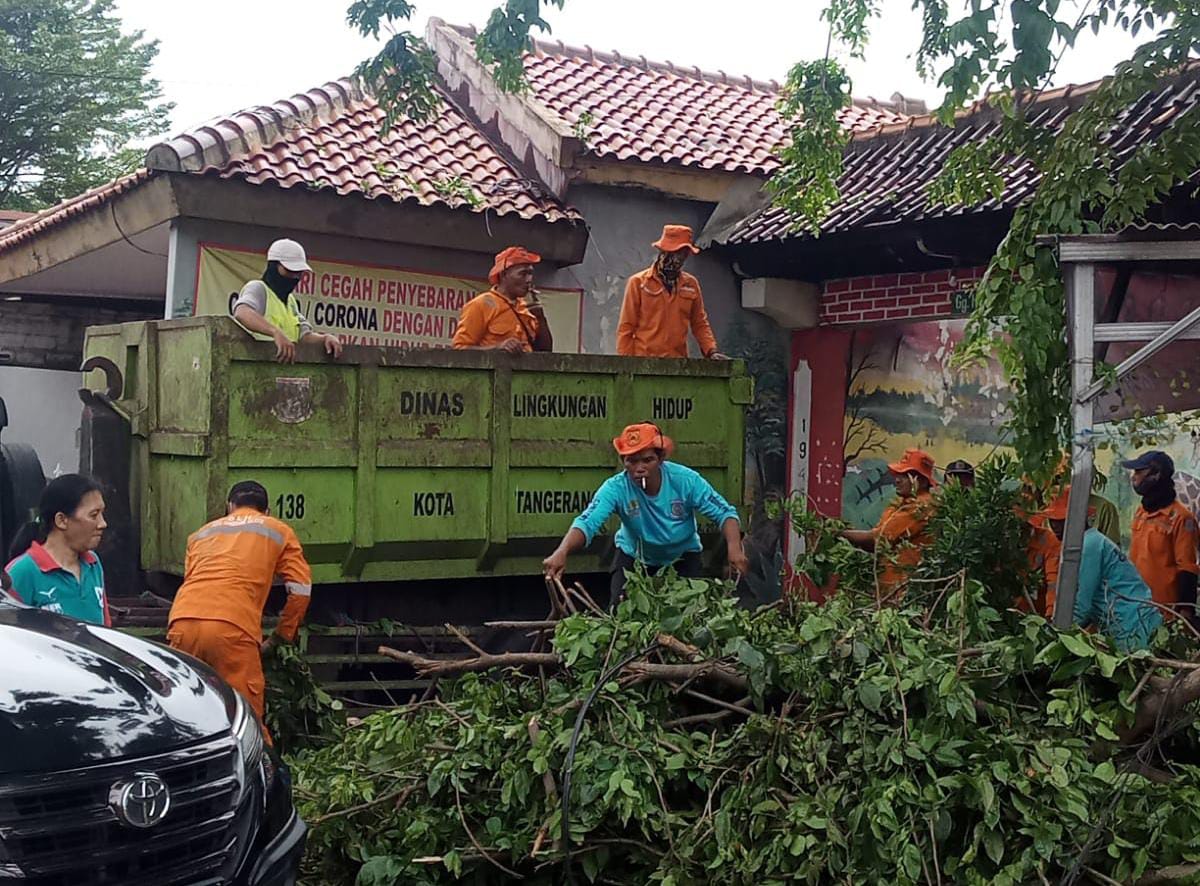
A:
(395, 465)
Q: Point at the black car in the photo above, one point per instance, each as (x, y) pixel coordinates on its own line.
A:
(124, 762)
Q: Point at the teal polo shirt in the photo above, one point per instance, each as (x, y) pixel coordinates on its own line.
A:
(39, 581)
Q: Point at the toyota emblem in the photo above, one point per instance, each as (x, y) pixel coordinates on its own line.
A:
(141, 801)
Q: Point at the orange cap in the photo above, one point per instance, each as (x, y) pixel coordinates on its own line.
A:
(514, 255)
(676, 237)
(915, 461)
(635, 438)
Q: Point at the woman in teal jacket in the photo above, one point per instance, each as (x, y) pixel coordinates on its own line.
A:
(54, 565)
(1111, 594)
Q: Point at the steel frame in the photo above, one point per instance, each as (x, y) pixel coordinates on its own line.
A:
(1078, 257)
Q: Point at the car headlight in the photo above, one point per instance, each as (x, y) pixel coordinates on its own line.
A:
(251, 751)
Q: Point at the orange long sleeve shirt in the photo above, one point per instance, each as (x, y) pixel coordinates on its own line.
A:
(905, 521)
(1162, 545)
(490, 319)
(655, 322)
(231, 564)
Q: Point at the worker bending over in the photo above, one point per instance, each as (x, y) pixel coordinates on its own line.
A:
(508, 317)
(231, 563)
(657, 501)
(1111, 595)
(663, 302)
(903, 523)
(1163, 537)
(267, 309)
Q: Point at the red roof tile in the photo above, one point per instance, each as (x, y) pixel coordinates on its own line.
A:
(333, 137)
(888, 171)
(634, 109)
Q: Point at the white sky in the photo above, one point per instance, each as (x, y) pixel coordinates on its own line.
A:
(225, 55)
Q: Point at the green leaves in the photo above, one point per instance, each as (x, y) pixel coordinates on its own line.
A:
(811, 162)
(944, 727)
(75, 92)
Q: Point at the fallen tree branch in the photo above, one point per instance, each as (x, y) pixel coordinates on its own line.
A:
(1165, 701)
(544, 624)
(694, 719)
(428, 667)
(399, 796)
(1170, 874)
(1100, 878)
(729, 706)
(1175, 663)
(678, 673)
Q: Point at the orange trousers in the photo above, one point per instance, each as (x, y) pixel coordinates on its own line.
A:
(228, 650)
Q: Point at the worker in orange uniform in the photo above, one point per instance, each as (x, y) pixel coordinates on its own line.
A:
(903, 524)
(508, 317)
(663, 302)
(1163, 537)
(231, 563)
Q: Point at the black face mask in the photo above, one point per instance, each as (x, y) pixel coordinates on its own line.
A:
(1156, 491)
(282, 286)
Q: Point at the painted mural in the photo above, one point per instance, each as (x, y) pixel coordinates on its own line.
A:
(903, 392)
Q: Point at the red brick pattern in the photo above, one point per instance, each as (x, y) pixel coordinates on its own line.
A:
(883, 298)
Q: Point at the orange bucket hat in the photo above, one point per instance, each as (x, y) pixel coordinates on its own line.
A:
(674, 238)
(637, 437)
(915, 461)
(514, 255)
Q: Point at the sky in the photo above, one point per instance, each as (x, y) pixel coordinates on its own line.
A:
(225, 55)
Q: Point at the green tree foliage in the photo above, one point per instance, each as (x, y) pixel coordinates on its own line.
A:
(943, 740)
(74, 92)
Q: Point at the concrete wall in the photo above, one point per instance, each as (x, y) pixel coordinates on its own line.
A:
(44, 412)
(49, 335)
(622, 223)
(41, 347)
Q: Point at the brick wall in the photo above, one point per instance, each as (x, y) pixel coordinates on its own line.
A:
(49, 335)
(885, 298)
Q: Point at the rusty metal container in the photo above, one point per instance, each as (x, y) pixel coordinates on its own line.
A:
(395, 464)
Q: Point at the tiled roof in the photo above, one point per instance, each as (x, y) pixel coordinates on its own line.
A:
(634, 109)
(29, 227)
(888, 170)
(333, 137)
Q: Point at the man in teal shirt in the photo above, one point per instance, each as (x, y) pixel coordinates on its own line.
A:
(657, 502)
(1111, 594)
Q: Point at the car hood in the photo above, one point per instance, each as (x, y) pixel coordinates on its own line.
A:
(73, 694)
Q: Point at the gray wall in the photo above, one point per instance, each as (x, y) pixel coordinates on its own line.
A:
(44, 411)
(49, 335)
(623, 222)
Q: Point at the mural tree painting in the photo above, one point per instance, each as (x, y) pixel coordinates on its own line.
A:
(1009, 49)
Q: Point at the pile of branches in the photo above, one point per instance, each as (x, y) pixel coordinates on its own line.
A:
(683, 740)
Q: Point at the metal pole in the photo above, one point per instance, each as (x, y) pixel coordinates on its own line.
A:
(1081, 305)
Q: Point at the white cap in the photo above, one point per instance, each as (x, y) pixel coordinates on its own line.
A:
(290, 254)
